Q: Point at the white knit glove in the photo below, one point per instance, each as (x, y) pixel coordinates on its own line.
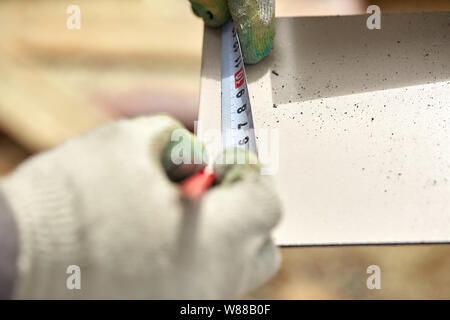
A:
(103, 202)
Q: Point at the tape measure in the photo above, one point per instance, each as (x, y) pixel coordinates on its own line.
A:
(237, 120)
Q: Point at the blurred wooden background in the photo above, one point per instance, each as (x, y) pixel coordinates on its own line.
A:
(143, 56)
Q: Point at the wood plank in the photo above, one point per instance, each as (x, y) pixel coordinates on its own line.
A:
(38, 113)
(62, 82)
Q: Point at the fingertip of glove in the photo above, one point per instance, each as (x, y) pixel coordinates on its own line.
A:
(183, 156)
(233, 163)
(178, 151)
(255, 23)
(214, 13)
(244, 191)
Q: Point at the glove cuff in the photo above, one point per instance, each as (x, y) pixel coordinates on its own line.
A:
(48, 232)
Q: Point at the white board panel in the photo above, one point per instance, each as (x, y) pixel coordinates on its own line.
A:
(363, 118)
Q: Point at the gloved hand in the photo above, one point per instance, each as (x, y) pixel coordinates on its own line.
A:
(253, 19)
(103, 202)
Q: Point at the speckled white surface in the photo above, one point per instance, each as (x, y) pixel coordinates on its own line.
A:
(364, 123)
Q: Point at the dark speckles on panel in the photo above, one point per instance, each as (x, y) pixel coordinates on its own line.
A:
(385, 60)
(382, 110)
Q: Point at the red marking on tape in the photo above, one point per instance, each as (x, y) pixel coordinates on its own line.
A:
(239, 78)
